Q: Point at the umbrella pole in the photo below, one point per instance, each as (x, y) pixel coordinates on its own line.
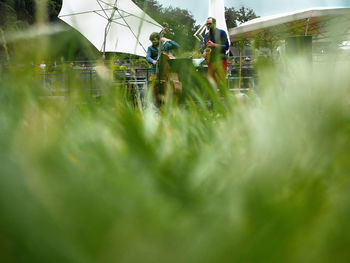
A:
(104, 45)
(110, 20)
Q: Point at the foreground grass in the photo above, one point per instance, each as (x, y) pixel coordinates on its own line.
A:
(256, 181)
(264, 179)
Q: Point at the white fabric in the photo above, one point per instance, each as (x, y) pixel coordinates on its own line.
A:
(274, 20)
(128, 31)
(217, 10)
(345, 45)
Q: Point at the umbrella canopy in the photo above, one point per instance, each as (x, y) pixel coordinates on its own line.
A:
(111, 25)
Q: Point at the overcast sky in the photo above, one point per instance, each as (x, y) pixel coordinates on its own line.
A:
(199, 8)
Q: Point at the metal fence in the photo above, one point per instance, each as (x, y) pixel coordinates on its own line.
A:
(59, 82)
(134, 80)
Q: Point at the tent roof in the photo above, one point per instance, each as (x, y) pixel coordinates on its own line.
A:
(307, 17)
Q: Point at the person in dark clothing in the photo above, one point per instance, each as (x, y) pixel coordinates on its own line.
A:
(216, 47)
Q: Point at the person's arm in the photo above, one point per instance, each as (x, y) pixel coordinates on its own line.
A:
(225, 46)
(149, 58)
(169, 44)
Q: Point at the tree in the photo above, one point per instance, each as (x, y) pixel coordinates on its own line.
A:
(151, 7)
(181, 22)
(16, 11)
(231, 17)
(241, 15)
(54, 7)
(245, 14)
(181, 25)
(24, 10)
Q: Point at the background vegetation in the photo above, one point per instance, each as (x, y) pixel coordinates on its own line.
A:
(17, 14)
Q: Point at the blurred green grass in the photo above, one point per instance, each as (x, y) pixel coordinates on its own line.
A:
(213, 180)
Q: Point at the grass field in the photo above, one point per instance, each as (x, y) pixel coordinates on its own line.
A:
(259, 179)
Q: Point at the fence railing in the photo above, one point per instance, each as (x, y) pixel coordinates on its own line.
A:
(58, 82)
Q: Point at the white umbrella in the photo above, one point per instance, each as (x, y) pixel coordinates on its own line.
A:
(111, 25)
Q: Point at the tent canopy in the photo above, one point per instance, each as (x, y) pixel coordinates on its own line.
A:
(307, 21)
(216, 10)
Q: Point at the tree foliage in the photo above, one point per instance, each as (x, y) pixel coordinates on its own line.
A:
(181, 31)
(181, 22)
(240, 15)
(15, 11)
(182, 25)
(54, 7)
(151, 7)
(19, 11)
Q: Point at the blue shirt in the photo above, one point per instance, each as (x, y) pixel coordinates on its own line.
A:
(219, 37)
(152, 52)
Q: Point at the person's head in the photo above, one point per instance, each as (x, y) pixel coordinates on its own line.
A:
(154, 38)
(211, 23)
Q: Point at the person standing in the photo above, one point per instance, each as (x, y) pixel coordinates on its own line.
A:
(216, 47)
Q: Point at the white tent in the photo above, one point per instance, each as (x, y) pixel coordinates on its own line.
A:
(308, 20)
(216, 10)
